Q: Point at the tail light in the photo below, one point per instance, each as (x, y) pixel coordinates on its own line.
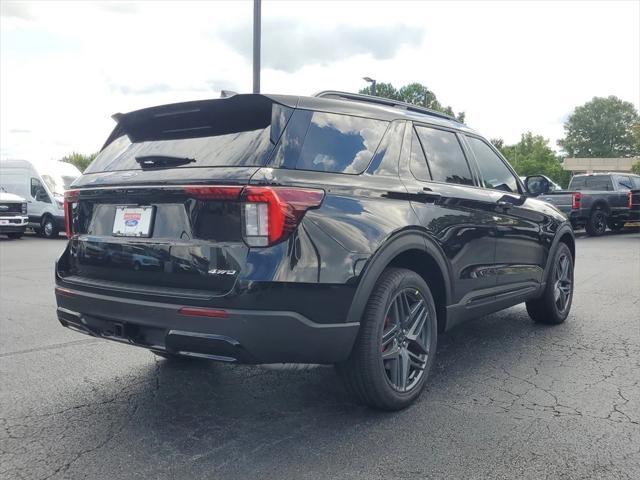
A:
(576, 200)
(272, 213)
(630, 199)
(269, 214)
(70, 198)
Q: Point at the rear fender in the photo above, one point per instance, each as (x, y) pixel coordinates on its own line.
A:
(400, 242)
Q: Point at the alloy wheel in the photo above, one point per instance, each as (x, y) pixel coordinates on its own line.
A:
(406, 337)
(600, 222)
(48, 228)
(563, 288)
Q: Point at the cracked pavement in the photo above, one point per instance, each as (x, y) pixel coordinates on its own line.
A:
(506, 399)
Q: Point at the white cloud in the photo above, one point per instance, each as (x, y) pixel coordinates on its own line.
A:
(511, 66)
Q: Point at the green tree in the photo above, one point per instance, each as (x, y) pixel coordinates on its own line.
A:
(532, 155)
(603, 127)
(414, 93)
(80, 160)
(635, 168)
(384, 90)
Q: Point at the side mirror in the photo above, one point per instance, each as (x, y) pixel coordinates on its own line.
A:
(537, 185)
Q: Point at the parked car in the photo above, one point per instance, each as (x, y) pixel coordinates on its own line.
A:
(337, 229)
(634, 214)
(13, 214)
(43, 185)
(592, 201)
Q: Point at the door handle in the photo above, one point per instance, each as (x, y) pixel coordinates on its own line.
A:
(427, 194)
(504, 204)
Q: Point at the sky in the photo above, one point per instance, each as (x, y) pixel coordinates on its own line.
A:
(66, 67)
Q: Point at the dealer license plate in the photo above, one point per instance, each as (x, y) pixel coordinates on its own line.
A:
(133, 221)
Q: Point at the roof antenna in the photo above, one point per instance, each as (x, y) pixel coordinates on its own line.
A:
(227, 93)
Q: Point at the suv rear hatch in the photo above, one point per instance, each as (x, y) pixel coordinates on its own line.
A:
(163, 207)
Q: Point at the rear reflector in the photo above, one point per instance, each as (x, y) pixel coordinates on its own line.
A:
(576, 200)
(64, 292)
(203, 312)
(630, 200)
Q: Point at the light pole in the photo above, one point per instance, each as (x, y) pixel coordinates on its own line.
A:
(256, 45)
(373, 84)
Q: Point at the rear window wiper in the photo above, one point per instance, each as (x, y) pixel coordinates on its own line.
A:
(162, 161)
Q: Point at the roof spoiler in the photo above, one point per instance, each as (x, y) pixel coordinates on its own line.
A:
(194, 119)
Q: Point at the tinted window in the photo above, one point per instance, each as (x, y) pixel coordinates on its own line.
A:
(495, 173)
(418, 163)
(636, 182)
(444, 156)
(385, 161)
(340, 143)
(595, 182)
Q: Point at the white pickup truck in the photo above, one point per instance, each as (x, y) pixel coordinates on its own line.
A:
(13, 215)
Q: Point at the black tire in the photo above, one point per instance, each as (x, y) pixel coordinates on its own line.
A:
(597, 223)
(15, 236)
(365, 373)
(616, 226)
(48, 228)
(550, 309)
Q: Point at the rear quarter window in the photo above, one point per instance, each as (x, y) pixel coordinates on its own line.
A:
(339, 143)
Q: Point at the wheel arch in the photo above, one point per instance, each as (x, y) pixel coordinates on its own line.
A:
(565, 235)
(413, 250)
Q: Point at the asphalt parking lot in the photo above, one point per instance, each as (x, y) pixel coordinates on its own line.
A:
(507, 398)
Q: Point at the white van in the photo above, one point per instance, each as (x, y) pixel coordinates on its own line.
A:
(43, 185)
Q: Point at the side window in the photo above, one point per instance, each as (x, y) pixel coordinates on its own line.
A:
(624, 183)
(35, 186)
(445, 158)
(340, 143)
(38, 192)
(418, 164)
(636, 182)
(495, 173)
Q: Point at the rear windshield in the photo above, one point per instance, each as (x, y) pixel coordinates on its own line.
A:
(595, 182)
(237, 131)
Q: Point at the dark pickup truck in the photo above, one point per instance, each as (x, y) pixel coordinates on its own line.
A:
(593, 201)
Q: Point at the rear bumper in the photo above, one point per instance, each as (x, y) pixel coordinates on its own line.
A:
(243, 336)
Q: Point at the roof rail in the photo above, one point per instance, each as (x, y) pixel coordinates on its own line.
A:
(358, 97)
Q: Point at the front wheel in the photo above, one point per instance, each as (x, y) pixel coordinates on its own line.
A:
(396, 344)
(553, 306)
(48, 227)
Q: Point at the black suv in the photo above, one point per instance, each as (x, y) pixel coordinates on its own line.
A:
(336, 229)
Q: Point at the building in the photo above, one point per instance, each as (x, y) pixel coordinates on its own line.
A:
(590, 165)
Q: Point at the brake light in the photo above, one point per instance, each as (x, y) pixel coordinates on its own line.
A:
(272, 213)
(70, 197)
(576, 200)
(630, 199)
